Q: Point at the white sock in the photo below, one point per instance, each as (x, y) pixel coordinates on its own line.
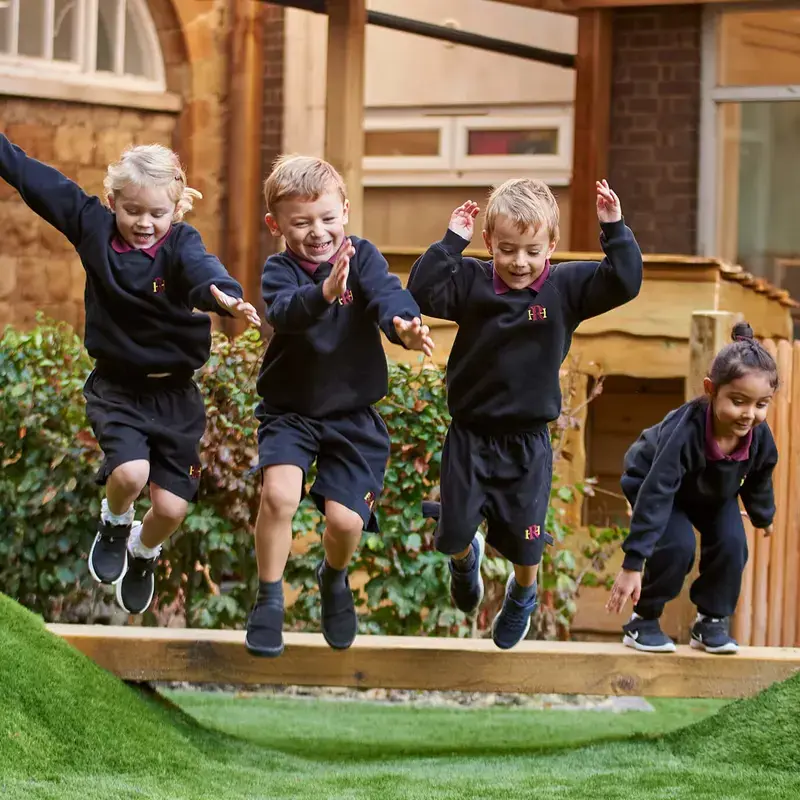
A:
(125, 518)
(634, 616)
(137, 548)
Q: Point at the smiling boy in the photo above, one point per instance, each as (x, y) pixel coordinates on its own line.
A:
(328, 298)
(516, 315)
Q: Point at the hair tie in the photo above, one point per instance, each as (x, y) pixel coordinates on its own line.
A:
(743, 338)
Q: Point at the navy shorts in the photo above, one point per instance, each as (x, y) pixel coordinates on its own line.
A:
(504, 479)
(160, 420)
(351, 451)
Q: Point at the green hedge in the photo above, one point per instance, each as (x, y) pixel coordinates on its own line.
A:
(49, 503)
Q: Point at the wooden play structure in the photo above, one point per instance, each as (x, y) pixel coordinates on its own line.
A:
(410, 662)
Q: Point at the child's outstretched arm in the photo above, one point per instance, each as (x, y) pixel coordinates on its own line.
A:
(617, 279)
(440, 279)
(53, 196)
(757, 493)
(210, 287)
(395, 310)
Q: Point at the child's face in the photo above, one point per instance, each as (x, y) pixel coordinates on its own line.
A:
(144, 214)
(741, 404)
(519, 257)
(313, 229)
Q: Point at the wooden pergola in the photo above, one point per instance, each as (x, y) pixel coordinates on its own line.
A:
(344, 140)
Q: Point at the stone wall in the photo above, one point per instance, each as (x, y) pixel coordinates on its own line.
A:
(39, 269)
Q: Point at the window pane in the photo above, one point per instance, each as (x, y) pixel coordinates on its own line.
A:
(506, 142)
(31, 28)
(64, 30)
(760, 173)
(401, 143)
(106, 33)
(758, 48)
(134, 57)
(5, 29)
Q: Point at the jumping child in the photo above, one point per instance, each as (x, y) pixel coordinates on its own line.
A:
(689, 471)
(328, 298)
(516, 315)
(146, 272)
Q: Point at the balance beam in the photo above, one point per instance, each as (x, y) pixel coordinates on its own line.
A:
(411, 662)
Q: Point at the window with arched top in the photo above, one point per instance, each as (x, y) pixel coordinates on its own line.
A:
(91, 42)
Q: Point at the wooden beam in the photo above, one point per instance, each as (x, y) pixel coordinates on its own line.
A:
(245, 123)
(428, 663)
(344, 116)
(592, 124)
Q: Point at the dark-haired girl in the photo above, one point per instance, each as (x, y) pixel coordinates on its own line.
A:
(689, 471)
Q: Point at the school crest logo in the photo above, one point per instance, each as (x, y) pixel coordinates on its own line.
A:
(346, 298)
(194, 471)
(744, 478)
(369, 499)
(537, 313)
(533, 532)
(159, 285)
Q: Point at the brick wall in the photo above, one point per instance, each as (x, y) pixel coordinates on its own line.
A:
(272, 130)
(655, 123)
(39, 269)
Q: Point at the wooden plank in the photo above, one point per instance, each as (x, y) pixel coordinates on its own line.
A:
(592, 123)
(763, 550)
(344, 103)
(781, 488)
(742, 621)
(767, 316)
(244, 206)
(409, 662)
(792, 574)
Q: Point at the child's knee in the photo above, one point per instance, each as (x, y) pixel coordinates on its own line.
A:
(169, 507)
(131, 477)
(280, 496)
(342, 520)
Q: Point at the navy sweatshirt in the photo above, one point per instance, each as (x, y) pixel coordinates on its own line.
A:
(139, 310)
(673, 464)
(327, 358)
(503, 370)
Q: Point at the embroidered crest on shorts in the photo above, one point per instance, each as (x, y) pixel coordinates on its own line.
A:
(533, 532)
(369, 499)
(194, 471)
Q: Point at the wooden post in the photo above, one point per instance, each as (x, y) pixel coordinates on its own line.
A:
(710, 332)
(244, 217)
(742, 622)
(791, 636)
(344, 116)
(592, 124)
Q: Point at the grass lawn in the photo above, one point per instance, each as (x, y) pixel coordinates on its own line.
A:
(69, 730)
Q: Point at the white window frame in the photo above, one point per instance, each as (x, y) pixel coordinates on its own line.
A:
(711, 97)
(82, 69)
(453, 166)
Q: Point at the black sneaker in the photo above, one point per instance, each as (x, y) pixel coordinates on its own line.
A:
(646, 634)
(264, 635)
(135, 590)
(466, 588)
(513, 621)
(711, 634)
(108, 558)
(339, 620)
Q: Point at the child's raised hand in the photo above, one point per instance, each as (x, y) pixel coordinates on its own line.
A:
(609, 209)
(414, 335)
(628, 584)
(462, 220)
(335, 285)
(237, 307)
(768, 531)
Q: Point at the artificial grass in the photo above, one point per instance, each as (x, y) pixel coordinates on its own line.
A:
(69, 731)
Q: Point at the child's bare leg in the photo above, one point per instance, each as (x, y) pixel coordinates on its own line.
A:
(342, 536)
(525, 576)
(135, 591)
(108, 558)
(280, 495)
(125, 484)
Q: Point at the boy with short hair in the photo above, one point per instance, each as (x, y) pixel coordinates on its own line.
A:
(516, 315)
(328, 298)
